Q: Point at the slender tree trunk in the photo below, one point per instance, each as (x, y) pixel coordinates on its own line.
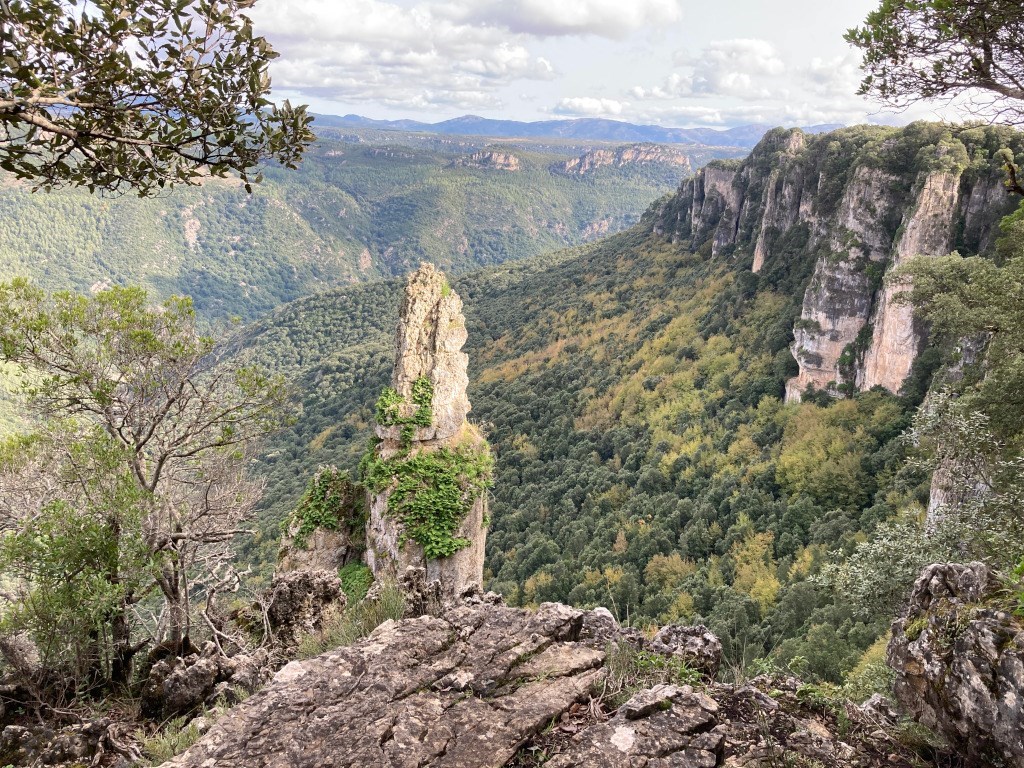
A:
(122, 651)
(176, 611)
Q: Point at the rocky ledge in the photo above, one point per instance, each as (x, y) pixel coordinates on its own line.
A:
(487, 685)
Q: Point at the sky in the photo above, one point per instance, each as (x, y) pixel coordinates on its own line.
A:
(679, 63)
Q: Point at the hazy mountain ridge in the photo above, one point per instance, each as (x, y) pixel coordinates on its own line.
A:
(591, 128)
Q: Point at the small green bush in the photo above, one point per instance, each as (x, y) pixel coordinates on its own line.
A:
(331, 500)
(173, 739)
(871, 674)
(631, 670)
(356, 579)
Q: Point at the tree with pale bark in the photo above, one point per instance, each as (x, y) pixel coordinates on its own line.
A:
(136, 473)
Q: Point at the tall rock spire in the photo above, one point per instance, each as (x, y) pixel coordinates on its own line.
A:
(428, 474)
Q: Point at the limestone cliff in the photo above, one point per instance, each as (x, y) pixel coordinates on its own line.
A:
(633, 154)
(428, 473)
(844, 209)
(927, 231)
(491, 159)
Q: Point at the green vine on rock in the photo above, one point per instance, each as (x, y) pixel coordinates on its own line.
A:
(389, 409)
(431, 492)
(331, 499)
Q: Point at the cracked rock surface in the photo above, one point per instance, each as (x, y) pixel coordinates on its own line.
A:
(959, 662)
(485, 685)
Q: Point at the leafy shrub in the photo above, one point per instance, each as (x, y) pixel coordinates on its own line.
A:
(631, 670)
(356, 579)
(331, 501)
(871, 675)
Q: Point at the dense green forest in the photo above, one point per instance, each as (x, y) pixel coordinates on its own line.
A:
(363, 205)
(633, 390)
(354, 211)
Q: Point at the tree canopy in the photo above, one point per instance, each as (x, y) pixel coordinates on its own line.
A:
(136, 477)
(926, 49)
(122, 95)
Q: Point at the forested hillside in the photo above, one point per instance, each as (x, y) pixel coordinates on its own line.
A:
(634, 391)
(355, 211)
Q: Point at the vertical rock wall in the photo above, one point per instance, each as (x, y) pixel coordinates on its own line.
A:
(927, 231)
(852, 205)
(429, 357)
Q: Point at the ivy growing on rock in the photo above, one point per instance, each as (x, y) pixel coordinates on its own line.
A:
(389, 409)
(432, 492)
(330, 501)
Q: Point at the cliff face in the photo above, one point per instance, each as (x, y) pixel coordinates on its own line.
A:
(927, 231)
(634, 154)
(959, 663)
(501, 161)
(847, 207)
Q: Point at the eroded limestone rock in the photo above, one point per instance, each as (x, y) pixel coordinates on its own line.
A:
(697, 646)
(485, 686)
(298, 602)
(428, 344)
(848, 212)
(927, 231)
(423, 419)
(959, 663)
(181, 686)
(314, 544)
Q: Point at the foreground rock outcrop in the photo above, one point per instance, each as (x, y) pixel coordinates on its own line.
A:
(959, 663)
(486, 685)
(181, 685)
(429, 470)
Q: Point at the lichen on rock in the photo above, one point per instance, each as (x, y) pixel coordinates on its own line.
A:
(958, 655)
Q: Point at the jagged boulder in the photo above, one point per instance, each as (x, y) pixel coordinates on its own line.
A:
(959, 663)
(91, 742)
(427, 474)
(697, 646)
(181, 686)
(298, 601)
(483, 685)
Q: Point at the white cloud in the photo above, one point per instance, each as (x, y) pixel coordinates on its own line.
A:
(749, 80)
(588, 106)
(377, 51)
(614, 19)
(743, 68)
(831, 77)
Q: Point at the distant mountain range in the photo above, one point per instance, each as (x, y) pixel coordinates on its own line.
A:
(588, 128)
